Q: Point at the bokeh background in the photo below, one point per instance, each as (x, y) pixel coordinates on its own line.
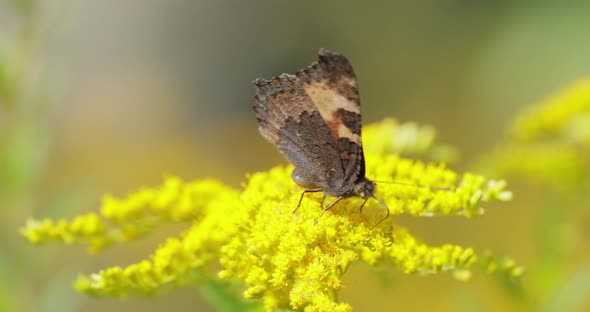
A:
(106, 96)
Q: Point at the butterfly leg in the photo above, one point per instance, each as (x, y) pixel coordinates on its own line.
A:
(303, 194)
(323, 200)
(328, 208)
(363, 205)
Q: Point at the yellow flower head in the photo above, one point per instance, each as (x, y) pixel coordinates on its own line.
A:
(565, 114)
(550, 141)
(281, 257)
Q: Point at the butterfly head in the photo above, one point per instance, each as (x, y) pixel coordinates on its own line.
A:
(364, 188)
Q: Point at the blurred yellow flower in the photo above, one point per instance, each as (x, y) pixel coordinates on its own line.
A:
(409, 139)
(282, 257)
(562, 114)
(550, 142)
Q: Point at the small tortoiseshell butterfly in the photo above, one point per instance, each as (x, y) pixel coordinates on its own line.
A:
(314, 119)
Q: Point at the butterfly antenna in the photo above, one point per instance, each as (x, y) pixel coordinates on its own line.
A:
(438, 188)
(382, 203)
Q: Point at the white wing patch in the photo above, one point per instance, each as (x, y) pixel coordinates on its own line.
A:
(328, 102)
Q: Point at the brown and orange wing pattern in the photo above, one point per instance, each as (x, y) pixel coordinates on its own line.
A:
(313, 117)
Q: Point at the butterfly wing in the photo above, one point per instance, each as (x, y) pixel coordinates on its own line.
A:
(332, 85)
(314, 119)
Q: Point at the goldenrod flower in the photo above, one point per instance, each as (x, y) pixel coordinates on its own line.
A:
(410, 139)
(282, 257)
(559, 165)
(566, 112)
(550, 142)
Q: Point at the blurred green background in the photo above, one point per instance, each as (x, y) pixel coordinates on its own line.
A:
(106, 96)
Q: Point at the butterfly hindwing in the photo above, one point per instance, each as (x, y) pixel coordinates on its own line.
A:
(288, 119)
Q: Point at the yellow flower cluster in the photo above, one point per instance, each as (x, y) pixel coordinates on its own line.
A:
(550, 142)
(89, 229)
(409, 139)
(284, 258)
(567, 112)
(132, 217)
(558, 165)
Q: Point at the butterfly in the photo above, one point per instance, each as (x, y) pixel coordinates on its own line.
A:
(313, 117)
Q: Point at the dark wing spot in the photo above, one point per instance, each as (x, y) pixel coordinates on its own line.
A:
(350, 119)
